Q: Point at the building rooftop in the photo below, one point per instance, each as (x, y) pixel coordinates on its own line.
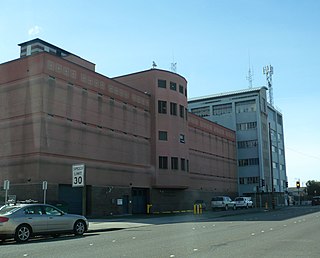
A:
(225, 94)
(38, 45)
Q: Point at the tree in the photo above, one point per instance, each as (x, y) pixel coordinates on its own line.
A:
(313, 187)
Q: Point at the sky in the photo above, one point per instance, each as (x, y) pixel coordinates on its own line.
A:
(213, 42)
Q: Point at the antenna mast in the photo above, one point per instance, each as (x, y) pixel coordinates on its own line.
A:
(250, 77)
(268, 71)
(250, 74)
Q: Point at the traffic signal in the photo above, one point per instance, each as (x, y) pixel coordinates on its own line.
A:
(262, 182)
(298, 184)
(286, 184)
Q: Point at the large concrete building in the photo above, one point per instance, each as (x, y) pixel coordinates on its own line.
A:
(255, 122)
(133, 133)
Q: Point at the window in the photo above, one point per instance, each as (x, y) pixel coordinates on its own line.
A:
(173, 108)
(162, 107)
(185, 92)
(279, 119)
(163, 162)
(246, 126)
(248, 162)
(274, 165)
(241, 180)
(183, 164)
(163, 136)
(187, 165)
(222, 109)
(162, 83)
(201, 111)
(173, 86)
(182, 139)
(52, 211)
(174, 163)
(181, 89)
(35, 210)
(246, 106)
(181, 109)
(247, 144)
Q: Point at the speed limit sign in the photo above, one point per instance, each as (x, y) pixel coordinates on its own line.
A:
(78, 175)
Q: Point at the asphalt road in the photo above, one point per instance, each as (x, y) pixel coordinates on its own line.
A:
(289, 232)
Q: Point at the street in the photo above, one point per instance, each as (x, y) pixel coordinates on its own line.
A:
(287, 232)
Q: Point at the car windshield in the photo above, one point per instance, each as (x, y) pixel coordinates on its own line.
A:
(217, 199)
(239, 199)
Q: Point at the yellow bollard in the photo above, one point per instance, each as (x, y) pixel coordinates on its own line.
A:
(149, 208)
(266, 205)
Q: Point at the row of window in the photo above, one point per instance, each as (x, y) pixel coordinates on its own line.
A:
(219, 110)
(173, 86)
(247, 144)
(164, 162)
(248, 162)
(162, 109)
(163, 136)
(249, 180)
(246, 126)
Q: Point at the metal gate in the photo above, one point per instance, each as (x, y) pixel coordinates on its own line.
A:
(139, 200)
(72, 197)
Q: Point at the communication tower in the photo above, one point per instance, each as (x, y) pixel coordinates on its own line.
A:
(268, 71)
(250, 77)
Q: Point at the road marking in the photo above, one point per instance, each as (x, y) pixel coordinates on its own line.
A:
(25, 255)
(195, 249)
(193, 228)
(113, 240)
(271, 229)
(91, 244)
(133, 237)
(284, 225)
(172, 255)
(252, 234)
(262, 231)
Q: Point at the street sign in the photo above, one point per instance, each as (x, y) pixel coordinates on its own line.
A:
(78, 175)
(44, 185)
(6, 184)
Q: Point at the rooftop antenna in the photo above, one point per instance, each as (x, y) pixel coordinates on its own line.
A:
(268, 71)
(250, 74)
(154, 65)
(173, 65)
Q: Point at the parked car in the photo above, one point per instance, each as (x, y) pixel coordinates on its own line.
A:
(243, 202)
(222, 202)
(315, 200)
(202, 203)
(21, 221)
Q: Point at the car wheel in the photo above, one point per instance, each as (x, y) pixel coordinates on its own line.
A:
(226, 207)
(79, 228)
(247, 206)
(234, 207)
(23, 233)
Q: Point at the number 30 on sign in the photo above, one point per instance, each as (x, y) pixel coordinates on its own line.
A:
(78, 179)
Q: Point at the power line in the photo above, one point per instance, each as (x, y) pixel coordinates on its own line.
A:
(304, 154)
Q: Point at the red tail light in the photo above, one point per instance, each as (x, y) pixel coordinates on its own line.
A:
(4, 219)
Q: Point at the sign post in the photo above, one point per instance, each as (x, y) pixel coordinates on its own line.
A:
(6, 186)
(78, 180)
(44, 188)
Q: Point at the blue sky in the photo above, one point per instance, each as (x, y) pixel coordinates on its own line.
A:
(210, 41)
